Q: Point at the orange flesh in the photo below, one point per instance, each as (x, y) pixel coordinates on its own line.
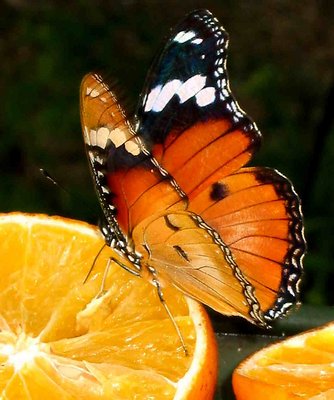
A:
(59, 340)
(301, 367)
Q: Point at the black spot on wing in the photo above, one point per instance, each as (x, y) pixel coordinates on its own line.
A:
(181, 252)
(218, 191)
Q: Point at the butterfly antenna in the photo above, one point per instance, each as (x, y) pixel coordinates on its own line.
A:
(170, 315)
(71, 195)
(94, 262)
(50, 178)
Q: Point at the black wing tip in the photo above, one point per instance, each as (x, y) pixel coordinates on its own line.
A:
(288, 295)
(199, 13)
(238, 117)
(202, 18)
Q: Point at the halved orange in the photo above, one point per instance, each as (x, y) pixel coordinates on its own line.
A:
(301, 367)
(62, 339)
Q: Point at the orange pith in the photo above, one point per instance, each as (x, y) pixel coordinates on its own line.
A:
(59, 340)
(301, 367)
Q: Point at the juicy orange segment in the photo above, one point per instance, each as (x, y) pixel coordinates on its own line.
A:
(62, 339)
(301, 367)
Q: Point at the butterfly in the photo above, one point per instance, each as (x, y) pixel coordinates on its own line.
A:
(178, 201)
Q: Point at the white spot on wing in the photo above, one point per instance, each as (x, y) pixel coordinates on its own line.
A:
(92, 92)
(206, 96)
(105, 189)
(119, 136)
(225, 92)
(151, 98)
(133, 147)
(92, 137)
(184, 36)
(190, 87)
(165, 95)
(197, 41)
(160, 96)
(102, 136)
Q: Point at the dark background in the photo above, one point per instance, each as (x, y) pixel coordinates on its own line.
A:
(281, 71)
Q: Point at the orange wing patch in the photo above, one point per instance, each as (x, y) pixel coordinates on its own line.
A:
(205, 153)
(257, 213)
(129, 182)
(140, 193)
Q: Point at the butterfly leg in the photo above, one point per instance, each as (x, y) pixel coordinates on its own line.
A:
(105, 274)
(156, 283)
(132, 271)
(93, 264)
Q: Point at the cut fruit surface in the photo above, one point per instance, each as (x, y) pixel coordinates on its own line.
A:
(62, 339)
(301, 367)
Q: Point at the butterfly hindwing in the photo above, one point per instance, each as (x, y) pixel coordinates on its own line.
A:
(188, 253)
(240, 252)
(257, 212)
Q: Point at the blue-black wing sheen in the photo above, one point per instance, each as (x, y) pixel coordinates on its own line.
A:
(188, 83)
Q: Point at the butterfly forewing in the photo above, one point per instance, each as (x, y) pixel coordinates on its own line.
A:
(188, 117)
(127, 181)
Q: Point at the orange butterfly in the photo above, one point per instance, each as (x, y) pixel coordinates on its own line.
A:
(177, 201)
